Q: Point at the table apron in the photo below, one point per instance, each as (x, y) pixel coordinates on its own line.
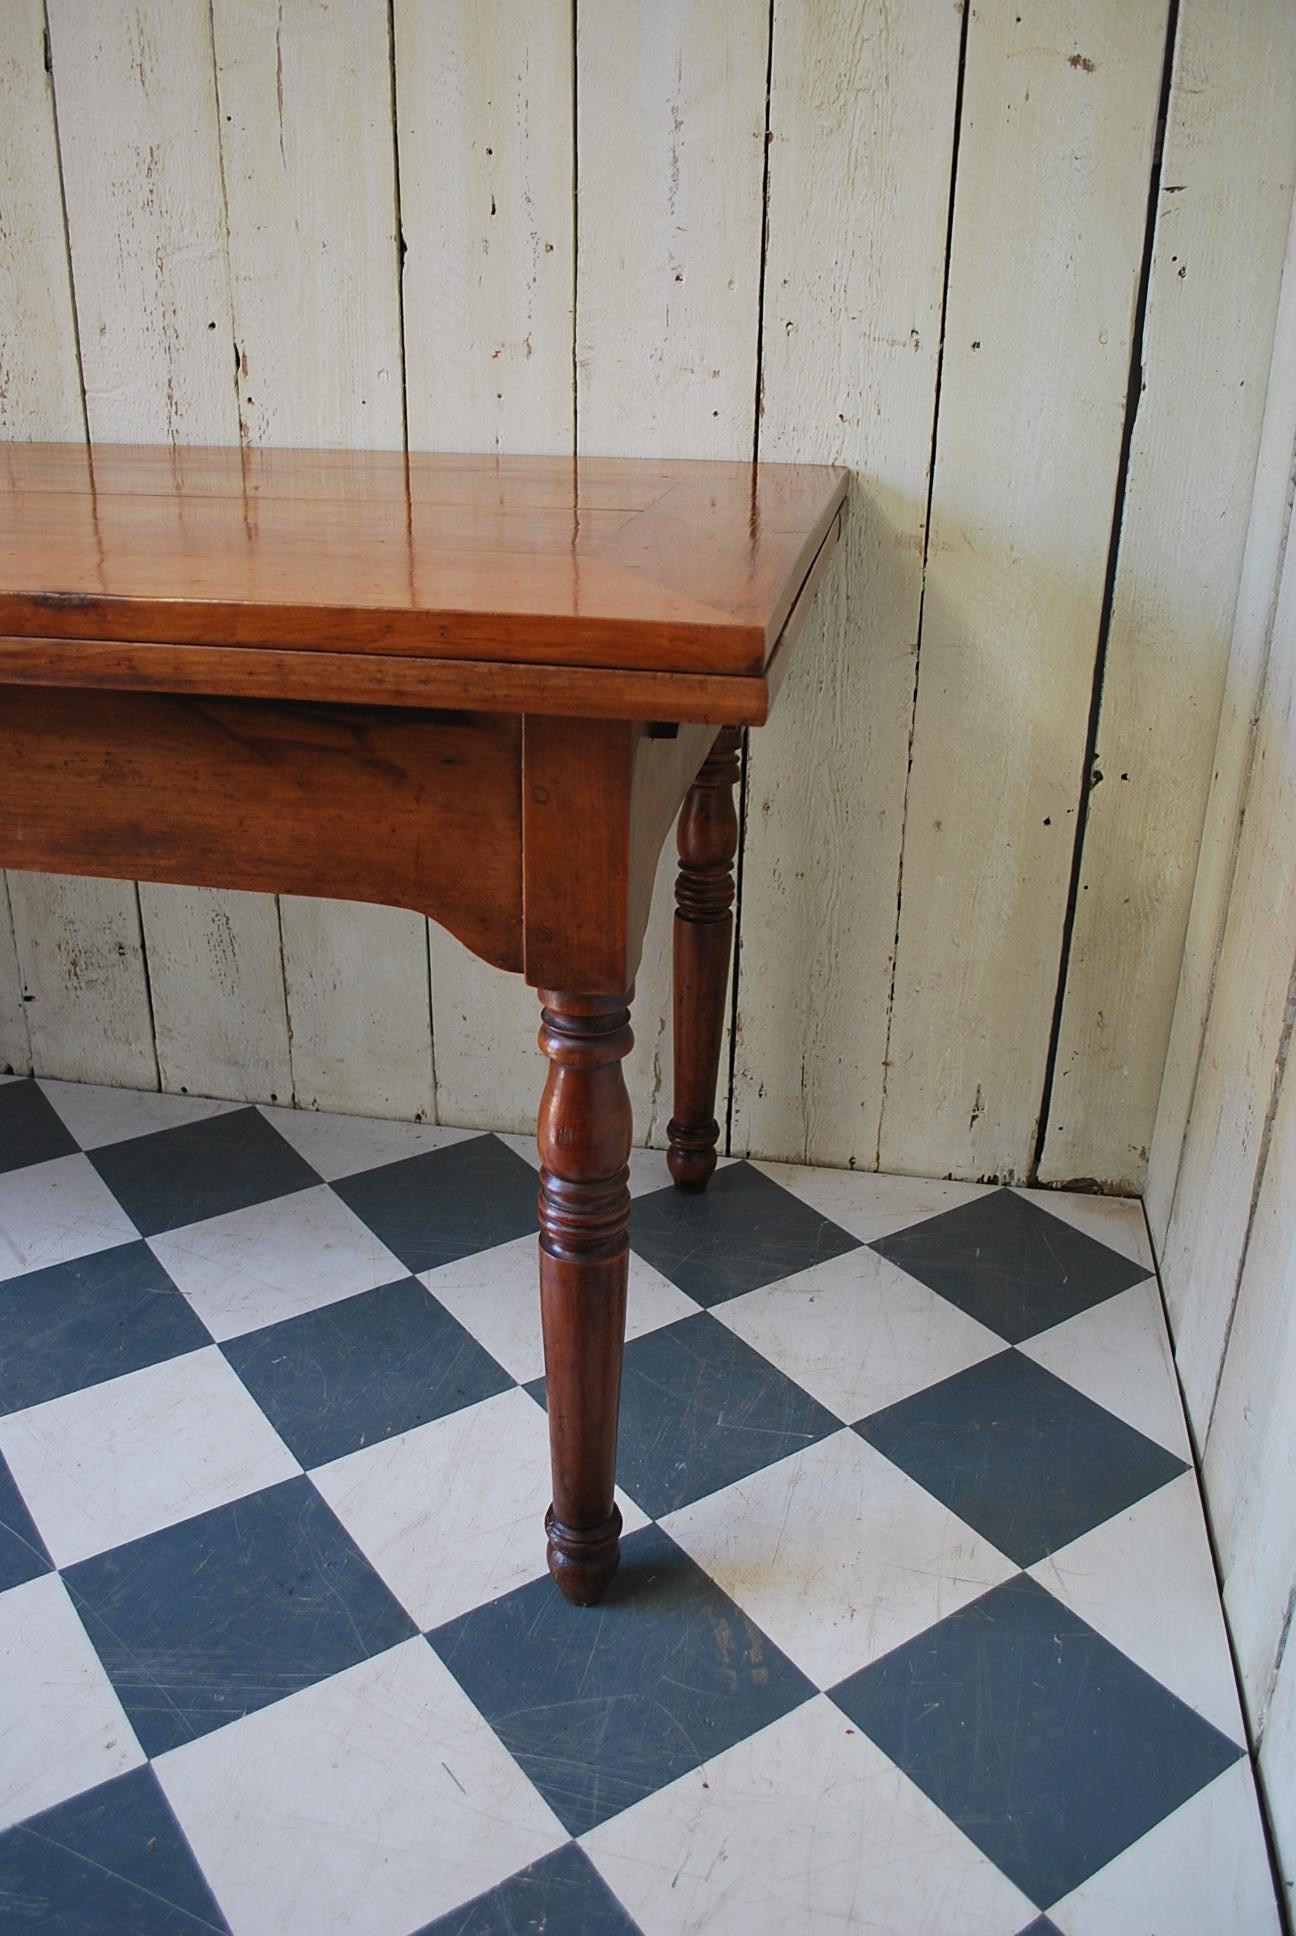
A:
(407, 808)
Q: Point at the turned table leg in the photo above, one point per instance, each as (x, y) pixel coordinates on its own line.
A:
(704, 890)
(584, 1136)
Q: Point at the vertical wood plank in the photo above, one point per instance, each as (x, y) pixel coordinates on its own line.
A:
(82, 964)
(141, 159)
(1249, 1458)
(357, 987)
(1261, 577)
(141, 167)
(219, 1017)
(1225, 198)
(1232, 1113)
(40, 379)
(1061, 102)
(671, 128)
(484, 120)
(853, 290)
(304, 91)
(305, 99)
(670, 158)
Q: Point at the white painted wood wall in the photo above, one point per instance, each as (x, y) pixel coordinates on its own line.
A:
(1221, 1193)
(930, 245)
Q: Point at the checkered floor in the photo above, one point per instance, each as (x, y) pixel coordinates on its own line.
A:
(915, 1630)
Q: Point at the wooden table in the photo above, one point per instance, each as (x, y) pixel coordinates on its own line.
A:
(479, 687)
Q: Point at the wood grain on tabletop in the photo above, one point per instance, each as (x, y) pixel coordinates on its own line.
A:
(665, 565)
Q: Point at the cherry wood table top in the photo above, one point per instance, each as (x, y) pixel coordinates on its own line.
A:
(599, 587)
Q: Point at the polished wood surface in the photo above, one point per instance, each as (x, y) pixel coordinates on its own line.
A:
(707, 840)
(584, 1130)
(477, 687)
(636, 565)
(417, 810)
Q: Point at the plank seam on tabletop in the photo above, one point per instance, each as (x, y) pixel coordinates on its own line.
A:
(1088, 769)
(735, 965)
(922, 594)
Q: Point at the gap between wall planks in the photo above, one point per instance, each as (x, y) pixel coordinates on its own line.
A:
(1225, 193)
(309, 177)
(851, 346)
(485, 143)
(1038, 332)
(78, 996)
(675, 163)
(40, 388)
(671, 115)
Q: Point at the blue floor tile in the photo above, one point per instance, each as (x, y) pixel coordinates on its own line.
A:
(22, 1550)
(561, 1895)
(1026, 1459)
(109, 1862)
(199, 1170)
(1047, 1746)
(741, 1232)
(604, 1705)
(223, 1614)
(700, 1409)
(95, 1318)
(447, 1203)
(363, 1369)
(31, 1129)
(1008, 1263)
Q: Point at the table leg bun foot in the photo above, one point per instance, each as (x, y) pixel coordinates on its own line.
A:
(583, 1561)
(691, 1154)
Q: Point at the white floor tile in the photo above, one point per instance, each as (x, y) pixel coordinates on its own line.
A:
(837, 1554)
(336, 1146)
(1118, 1355)
(867, 1205)
(97, 1115)
(1117, 1222)
(450, 1513)
(105, 1465)
(495, 1295)
(62, 1727)
(372, 1802)
(254, 1267)
(806, 1827)
(858, 1333)
(54, 1211)
(1145, 1580)
(1203, 1871)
